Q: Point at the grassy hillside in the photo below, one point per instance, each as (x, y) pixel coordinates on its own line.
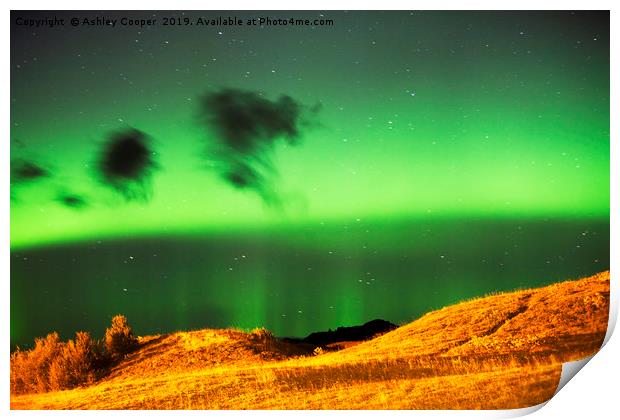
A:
(500, 351)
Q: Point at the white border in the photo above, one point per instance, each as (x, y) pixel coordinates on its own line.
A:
(592, 395)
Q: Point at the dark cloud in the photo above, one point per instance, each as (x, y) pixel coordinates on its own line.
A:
(73, 201)
(246, 128)
(242, 176)
(27, 171)
(126, 163)
(18, 143)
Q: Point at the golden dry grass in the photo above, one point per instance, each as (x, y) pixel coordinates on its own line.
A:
(501, 351)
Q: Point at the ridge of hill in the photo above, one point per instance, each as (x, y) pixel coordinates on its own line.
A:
(343, 334)
(499, 351)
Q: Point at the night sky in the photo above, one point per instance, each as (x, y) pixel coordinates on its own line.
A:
(302, 177)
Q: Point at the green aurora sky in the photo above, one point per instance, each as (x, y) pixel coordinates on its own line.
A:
(438, 120)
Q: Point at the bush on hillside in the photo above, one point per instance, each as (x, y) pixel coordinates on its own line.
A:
(53, 365)
(119, 338)
(262, 334)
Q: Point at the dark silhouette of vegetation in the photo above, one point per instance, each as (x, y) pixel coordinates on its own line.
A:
(54, 365)
(355, 333)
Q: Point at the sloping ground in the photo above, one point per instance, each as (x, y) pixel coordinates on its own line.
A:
(567, 320)
(501, 351)
(205, 349)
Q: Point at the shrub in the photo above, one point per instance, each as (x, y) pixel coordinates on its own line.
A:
(37, 362)
(318, 351)
(119, 338)
(53, 365)
(262, 334)
(75, 364)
